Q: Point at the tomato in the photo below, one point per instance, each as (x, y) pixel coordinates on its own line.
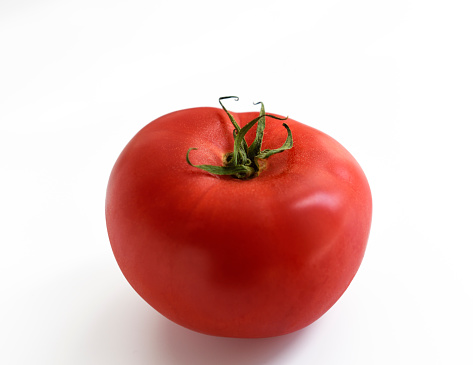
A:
(264, 249)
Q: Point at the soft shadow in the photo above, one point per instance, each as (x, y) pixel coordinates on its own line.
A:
(180, 346)
(119, 328)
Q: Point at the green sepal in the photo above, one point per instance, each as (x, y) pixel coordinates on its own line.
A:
(240, 170)
(232, 119)
(241, 156)
(287, 145)
(255, 147)
(236, 126)
(240, 137)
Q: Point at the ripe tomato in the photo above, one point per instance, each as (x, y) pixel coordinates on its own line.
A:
(256, 254)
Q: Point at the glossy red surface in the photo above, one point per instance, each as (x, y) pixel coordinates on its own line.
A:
(238, 258)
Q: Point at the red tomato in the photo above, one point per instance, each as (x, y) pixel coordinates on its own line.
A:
(256, 257)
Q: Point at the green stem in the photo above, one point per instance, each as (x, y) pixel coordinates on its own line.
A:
(242, 163)
(255, 147)
(243, 149)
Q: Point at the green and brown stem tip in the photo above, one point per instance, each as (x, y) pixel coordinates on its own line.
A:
(243, 161)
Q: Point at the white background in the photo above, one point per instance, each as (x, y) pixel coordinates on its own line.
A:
(391, 80)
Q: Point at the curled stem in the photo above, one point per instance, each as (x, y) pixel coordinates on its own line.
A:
(242, 163)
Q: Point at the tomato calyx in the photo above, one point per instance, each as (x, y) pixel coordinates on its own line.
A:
(243, 162)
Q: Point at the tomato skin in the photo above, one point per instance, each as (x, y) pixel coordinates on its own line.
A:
(238, 258)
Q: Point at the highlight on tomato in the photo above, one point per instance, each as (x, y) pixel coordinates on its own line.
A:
(237, 224)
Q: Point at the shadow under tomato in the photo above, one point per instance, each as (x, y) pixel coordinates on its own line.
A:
(181, 346)
(120, 328)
